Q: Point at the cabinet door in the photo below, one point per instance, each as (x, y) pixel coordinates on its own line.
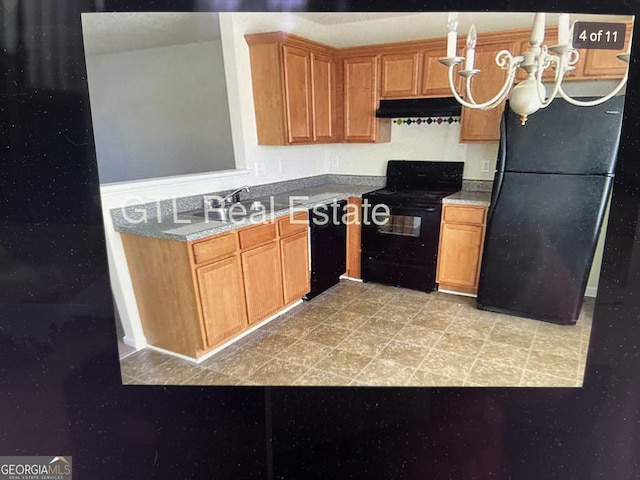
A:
(484, 125)
(323, 80)
(399, 75)
(262, 281)
(360, 99)
(459, 255)
(297, 90)
(222, 299)
(605, 63)
(435, 76)
(294, 252)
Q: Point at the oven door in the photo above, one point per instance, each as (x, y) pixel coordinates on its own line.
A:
(403, 251)
(411, 233)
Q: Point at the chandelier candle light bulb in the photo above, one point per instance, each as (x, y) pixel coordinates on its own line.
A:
(563, 29)
(452, 36)
(472, 38)
(537, 32)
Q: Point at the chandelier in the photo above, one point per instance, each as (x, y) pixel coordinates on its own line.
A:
(529, 95)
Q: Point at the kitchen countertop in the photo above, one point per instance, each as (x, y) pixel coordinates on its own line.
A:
(188, 229)
(466, 197)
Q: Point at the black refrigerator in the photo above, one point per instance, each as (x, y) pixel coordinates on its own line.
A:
(552, 184)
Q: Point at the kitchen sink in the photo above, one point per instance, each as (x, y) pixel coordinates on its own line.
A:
(234, 213)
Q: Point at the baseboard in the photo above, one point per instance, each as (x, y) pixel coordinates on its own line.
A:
(344, 277)
(138, 345)
(173, 354)
(591, 292)
(462, 294)
(226, 344)
(457, 290)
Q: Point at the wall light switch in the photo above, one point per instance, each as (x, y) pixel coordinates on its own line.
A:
(260, 168)
(486, 166)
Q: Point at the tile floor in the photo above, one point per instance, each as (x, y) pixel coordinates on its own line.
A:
(376, 335)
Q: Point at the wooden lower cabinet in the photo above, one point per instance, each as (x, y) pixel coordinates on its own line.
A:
(221, 291)
(354, 235)
(294, 251)
(166, 294)
(194, 296)
(460, 249)
(262, 281)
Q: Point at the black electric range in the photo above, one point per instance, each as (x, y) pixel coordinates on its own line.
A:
(401, 223)
(410, 197)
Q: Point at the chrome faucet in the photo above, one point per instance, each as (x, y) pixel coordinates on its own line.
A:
(235, 195)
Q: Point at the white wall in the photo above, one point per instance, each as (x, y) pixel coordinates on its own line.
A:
(415, 142)
(160, 111)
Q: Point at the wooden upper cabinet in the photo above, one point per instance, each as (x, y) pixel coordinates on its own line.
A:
(305, 92)
(604, 64)
(484, 125)
(399, 74)
(298, 93)
(407, 72)
(361, 101)
(294, 87)
(323, 79)
(435, 76)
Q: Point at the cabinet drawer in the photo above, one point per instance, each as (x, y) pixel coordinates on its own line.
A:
(254, 236)
(215, 248)
(286, 227)
(463, 214)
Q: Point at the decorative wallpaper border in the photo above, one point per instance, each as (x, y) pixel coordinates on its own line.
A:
(426, 121)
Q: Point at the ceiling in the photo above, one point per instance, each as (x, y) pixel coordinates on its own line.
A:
(434, 24)
(118, 32)
(340, 18)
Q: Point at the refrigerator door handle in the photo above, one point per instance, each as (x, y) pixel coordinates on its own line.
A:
(500, 166)
(495, 194)
(502, 144)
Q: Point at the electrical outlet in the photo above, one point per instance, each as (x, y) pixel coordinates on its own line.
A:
(280, 166)
(260, 168)
(486, 166)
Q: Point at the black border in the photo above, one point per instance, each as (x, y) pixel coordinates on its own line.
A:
(61, 390)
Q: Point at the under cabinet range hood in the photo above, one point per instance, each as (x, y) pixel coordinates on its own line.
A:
(419, 107)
